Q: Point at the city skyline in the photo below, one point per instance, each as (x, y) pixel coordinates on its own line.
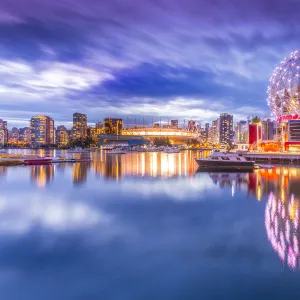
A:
(193, 60)
(43, 131)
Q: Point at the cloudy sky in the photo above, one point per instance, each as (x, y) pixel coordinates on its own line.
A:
(141, 58)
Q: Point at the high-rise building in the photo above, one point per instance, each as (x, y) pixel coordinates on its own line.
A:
(13, 135)
(113, 126)
(3, 132)
(226, 129)
(242, 132)
(3, 136)
(92, 132)
(99, 125)
(42, 130)
(174, 124)
(99, 128)
(62, 136)
(51, 129)
(24, 135)
(213, 137)
(206, 129)
(255, 133)
(79, 126)
(268, 128)
(3, 124)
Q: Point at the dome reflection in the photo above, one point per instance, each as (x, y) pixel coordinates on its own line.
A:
(282, 226)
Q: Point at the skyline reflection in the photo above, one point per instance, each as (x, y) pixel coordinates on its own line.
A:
(277, 188)
(42, 175)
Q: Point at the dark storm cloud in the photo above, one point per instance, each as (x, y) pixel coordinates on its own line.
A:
(147, 49)
(166, 81)
(30, 41)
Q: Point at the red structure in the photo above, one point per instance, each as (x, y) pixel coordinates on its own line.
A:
(254, 133)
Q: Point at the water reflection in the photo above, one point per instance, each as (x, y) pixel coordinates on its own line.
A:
(279, 187)
(144, 165)
(80, 171)
(3, 171)
(42, 175)
(282, 225)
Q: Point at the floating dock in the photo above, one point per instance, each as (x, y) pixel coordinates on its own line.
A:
(274, 158)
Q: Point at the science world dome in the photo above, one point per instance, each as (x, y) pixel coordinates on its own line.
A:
(284, 88)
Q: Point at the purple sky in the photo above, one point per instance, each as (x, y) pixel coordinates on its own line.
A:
(161, 58)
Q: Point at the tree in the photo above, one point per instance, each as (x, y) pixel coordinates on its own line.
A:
(161, 141)
(255, 120)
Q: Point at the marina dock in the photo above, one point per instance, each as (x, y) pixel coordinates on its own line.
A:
(274, 158)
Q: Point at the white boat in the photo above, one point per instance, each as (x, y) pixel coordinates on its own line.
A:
(266, 167)
(78, 150)
(172, 150)
(116, 151)
(3, 151)
(219, 160)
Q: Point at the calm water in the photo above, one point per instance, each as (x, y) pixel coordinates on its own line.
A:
(148, 226)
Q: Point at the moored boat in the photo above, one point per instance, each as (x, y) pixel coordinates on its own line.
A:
(116, 151)
(172, 150)
(219, 160)
(38, 160)
(78, 150)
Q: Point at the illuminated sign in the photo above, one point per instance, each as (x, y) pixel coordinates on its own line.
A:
(288, 117)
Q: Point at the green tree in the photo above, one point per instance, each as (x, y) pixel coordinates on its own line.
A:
(161, 141)
(255, 120)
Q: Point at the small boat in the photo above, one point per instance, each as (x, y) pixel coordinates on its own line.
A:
(38, 160)
(3, 151)
(70, 160)
(106, 148)
(219, 160)
(172, 150)
(266, 166)
(116, 151)
(78, 150)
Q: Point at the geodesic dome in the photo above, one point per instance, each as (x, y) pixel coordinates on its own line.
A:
(284, 88)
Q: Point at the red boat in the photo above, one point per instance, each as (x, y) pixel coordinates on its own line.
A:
(38, 160)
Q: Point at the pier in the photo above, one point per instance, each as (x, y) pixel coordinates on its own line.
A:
(274, 158)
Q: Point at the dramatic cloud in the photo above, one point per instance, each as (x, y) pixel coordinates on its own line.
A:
(139, 57)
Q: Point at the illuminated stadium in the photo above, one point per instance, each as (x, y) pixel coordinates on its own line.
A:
(174, 134)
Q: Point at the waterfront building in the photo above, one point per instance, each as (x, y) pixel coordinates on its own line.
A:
(293, 142)
(13, 136)
(254, 133)
(3, 136)
(62, 136)
(42, 130)
(99, 125)
(113, 126)
(268, 128)
(99, 129)
(174, 124)
(203, 134)
(206, 129)
(3, 132)
(3, 124)
(212, 133)
(92, 132)
(79, 126)
(24, 135)
(242, 132)
(226, 129)
(236, 133)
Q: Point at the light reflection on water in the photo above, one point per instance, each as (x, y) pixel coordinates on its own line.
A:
(147, 226)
